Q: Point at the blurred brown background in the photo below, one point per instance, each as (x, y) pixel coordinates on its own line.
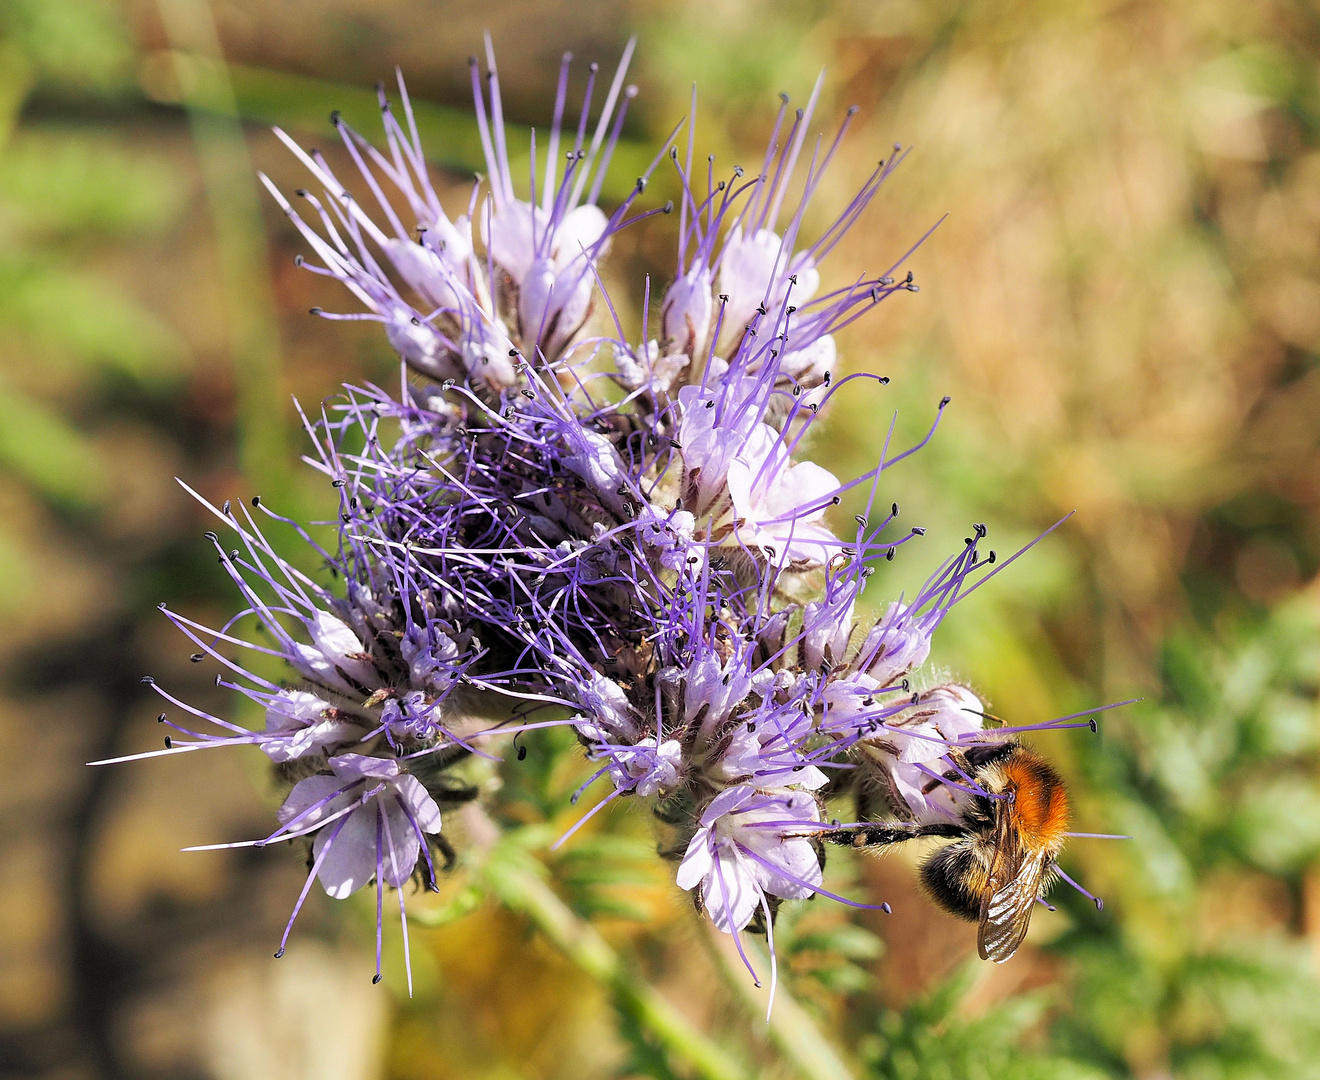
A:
(1124, 304)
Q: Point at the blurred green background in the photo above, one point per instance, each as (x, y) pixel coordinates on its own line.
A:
(1124, 304)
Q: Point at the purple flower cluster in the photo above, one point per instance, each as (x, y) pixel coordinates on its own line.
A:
(550, 523)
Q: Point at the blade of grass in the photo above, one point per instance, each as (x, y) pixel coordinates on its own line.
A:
(228, 176)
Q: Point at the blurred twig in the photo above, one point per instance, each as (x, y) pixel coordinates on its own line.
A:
(240, 238)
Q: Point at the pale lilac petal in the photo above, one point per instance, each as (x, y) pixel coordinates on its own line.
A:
(356, 766)
(418, 802)
(307, 793)
(400, 845)
(728, 801)
(351, 861)
(577, 233)
(731, 893)
(697, 861)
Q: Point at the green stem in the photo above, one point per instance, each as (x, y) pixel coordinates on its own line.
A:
(523, 891)
(790, 1028)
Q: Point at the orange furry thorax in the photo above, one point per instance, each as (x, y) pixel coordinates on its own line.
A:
(1040, 803)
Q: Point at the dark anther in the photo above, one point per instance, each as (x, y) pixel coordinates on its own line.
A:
(668, 208)
(894, 510)
(980, 531)
(375, 979)
(673, 153)
(301, 192)
(792, 309)
(641, 184)
(751, 726)
(528, 393)
(147, 680)
(415, 321)
(211, 536)
(909, 278)
(724, 298)
(886, 280)
(992, 558)
(906, 684)
(169, 744)
(256, 500)
(280, 952)
(513, 352)
(798, 768)
(219, 679)
(945, 400)
(917, 530)
(297, 260)
(1095, 726)
(338, 483)
(334, 117)
(827, 377)
(797, 390)
(836, 500)
(792, 279)
(314, 311)
(886, 908)
(160, 719)
(889, 555)
(710, 404)
(884, 380)
(915, 698)
(522, 753)
(225, 509)
(860, 520)
(197, 657)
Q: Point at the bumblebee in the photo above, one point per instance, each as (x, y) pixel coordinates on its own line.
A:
(1012, 822)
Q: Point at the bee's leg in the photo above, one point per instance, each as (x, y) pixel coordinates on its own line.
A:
(884, 833)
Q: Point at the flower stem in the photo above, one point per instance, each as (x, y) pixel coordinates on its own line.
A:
(791, 1029)
(523, 891)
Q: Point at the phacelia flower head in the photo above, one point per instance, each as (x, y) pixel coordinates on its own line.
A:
(626, 537)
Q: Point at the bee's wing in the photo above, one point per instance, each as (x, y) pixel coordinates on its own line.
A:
(1014, 884)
